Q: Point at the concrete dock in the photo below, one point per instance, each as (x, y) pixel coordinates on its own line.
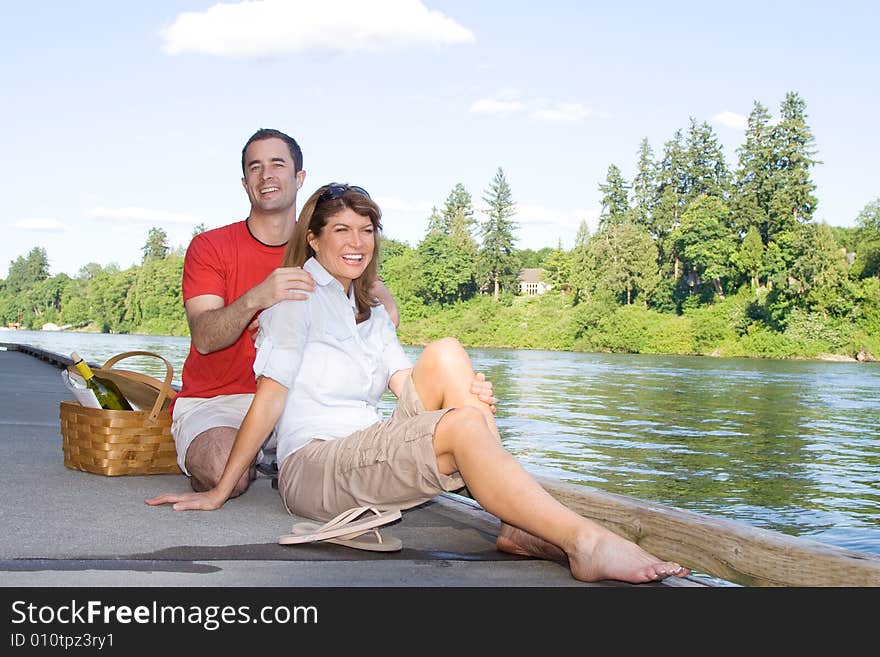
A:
(69, 528)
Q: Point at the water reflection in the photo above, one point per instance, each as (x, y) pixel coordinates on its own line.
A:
(787, 445)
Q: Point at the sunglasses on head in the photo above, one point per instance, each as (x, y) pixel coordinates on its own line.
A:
(336, 190)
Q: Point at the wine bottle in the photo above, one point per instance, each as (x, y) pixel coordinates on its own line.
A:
(107, 392)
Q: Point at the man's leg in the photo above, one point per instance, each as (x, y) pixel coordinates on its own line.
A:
(204, 431)
(206, 459)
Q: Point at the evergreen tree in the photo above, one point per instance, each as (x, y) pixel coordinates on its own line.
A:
(705, 171)
(497, 260)
(459, 209)
(753, 190)
(793, 201)
(644, 192)
(199, 229)
(156, 245)
(669, 202)
(615, 202)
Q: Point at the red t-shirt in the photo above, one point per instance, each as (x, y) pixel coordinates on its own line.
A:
(227, 262)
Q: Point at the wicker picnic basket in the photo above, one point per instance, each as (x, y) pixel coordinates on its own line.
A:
(116, 443)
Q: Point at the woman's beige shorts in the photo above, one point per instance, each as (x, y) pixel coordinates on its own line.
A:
(388, 465)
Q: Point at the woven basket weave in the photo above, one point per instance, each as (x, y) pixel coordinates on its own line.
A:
(116, 443)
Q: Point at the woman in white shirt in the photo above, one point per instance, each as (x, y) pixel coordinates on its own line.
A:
(321, 367)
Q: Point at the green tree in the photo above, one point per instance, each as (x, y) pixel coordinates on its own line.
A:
(435, 222)
(794, 146)
(498, 265)
(615, 202)
(623, 261)
(705, 171)
(557, 265)
(155, 300)
(458, 209)
(156, 245)
(399, 269)
(753, 182)
(644, 186)
(751, 255)
(26, 271)
(671, 183)
(530, 259)
(446, 270)
(706, 242)
(867, 259)
(819, 273)
(868, 220)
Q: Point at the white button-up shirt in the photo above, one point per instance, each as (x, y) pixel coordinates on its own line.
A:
(335, 370)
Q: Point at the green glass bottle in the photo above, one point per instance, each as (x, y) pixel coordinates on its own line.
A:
(107, 392)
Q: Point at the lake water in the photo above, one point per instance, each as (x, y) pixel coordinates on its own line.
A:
(792, 446)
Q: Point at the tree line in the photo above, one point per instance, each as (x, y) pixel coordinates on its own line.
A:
(690, 255)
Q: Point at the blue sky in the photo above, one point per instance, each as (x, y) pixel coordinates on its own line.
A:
(118, 117)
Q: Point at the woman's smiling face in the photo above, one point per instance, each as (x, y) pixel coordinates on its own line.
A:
(345, 246)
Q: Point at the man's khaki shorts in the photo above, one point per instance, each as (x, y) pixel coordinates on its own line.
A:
(195, 415)
(388, 465)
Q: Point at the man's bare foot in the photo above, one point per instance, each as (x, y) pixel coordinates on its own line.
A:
(600, 555)
(517, 541)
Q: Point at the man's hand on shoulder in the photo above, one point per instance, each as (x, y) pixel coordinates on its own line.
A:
(282, 284)
(383, 294)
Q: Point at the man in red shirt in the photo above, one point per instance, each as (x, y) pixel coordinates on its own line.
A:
(230, 275)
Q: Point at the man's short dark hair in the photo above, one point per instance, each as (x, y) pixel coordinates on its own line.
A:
(269, 133)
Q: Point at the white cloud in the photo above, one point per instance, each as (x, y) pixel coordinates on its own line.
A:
(563, 112)
(731, 120)
(492, 106)
(272, 27)
(539, 109)
(39, 224)
(142, 215)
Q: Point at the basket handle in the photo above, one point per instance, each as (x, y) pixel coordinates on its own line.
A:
(166, 384)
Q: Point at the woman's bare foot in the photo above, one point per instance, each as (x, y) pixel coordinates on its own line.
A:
(600, 555)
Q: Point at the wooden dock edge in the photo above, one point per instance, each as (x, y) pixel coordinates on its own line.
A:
(726, 549)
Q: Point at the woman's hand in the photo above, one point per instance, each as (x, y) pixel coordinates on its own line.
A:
(206, 501)
(483, 389)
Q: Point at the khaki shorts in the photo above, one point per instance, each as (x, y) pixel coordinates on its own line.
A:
(195, 415)
(388, 465)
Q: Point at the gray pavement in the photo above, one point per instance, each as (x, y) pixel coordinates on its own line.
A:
(69, 528)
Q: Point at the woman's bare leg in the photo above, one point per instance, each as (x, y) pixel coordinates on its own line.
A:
(533, 522)
(443, 376)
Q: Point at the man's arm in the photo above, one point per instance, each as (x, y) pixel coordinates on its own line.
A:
(214, 326)
(264, 412)
(383, 294)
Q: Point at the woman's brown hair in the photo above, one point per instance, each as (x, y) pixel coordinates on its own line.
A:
(326, 202)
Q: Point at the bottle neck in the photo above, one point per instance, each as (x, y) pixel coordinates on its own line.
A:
(84, 369)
